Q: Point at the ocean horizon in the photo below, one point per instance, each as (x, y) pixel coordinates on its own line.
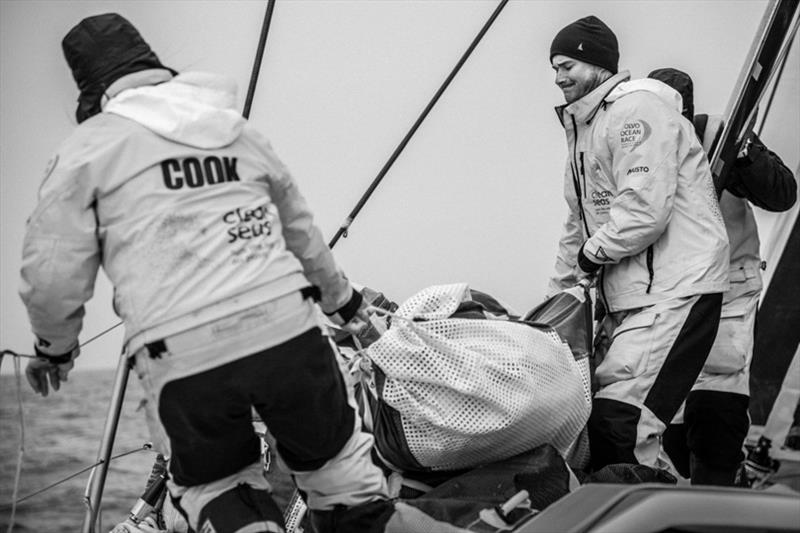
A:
(62, 435)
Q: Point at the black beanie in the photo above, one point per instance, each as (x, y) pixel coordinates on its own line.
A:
(588, 40)
(100, 50)
(681, 82)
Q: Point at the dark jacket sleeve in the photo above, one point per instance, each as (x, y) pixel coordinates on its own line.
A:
(761, 178)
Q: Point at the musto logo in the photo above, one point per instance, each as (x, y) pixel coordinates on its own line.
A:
(634, 133)
(246, 224)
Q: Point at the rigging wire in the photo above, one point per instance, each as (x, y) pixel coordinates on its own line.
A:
(21, 450)
(101, 334)
(251, 89)
(147, 446)
(342, 231)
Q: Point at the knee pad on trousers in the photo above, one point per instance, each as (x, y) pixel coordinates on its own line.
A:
(242, 508)
(675, 443)
(717, 424)
(612, 432)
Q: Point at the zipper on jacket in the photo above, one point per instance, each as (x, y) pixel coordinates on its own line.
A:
(583, 175)
(575, 180)
(601, 290)
(650, 269)
(576, 183)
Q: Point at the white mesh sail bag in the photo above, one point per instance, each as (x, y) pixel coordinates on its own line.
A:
(472, 391)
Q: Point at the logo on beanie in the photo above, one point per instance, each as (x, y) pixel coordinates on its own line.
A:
(634, 133)
(580, 47)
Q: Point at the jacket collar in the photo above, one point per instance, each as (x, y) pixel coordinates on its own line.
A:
(152, 76)
(586, 107)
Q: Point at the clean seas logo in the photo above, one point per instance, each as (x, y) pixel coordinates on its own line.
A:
(602, 198)
(254, 230)
(246, 224)
(634, 133)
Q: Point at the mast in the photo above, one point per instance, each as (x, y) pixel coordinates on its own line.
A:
(767, 53)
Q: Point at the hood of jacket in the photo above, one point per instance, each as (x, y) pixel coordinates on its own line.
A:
(612, 90)
(666, 93)
(194, 108)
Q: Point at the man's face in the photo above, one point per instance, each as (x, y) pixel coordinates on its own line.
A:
(575, 78)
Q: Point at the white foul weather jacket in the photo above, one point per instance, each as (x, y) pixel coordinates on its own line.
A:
(186, 207)
(640, 197)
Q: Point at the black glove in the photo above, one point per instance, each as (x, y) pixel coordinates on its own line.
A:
(586, 264)
(345, 314)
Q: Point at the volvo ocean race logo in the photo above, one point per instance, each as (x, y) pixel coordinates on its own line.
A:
(634, 133)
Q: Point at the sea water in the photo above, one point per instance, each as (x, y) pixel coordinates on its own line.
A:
(62, 435)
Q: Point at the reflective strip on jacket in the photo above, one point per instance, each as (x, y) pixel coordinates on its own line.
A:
(640, 196)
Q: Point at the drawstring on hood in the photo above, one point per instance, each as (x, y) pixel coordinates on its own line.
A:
(194, 108)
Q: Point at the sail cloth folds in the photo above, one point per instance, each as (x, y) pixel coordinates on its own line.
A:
(448, 393)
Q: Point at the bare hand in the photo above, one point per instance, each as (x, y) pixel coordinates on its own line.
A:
(39, 370)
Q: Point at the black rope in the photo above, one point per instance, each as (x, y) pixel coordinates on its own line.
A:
(147, 446)
(30, 356)
(15, 354)
(251, 90)
(342, 231)
(101, 333)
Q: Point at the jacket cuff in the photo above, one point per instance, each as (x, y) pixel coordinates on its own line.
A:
(59, 359)
(586, 264)
(345, 314)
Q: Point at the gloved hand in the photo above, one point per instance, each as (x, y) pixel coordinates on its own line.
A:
(585, 264)
(55, 367)
(352, 316)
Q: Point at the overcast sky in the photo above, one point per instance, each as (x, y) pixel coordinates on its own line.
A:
(477, 194)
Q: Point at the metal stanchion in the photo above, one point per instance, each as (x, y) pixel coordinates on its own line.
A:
(94, 488)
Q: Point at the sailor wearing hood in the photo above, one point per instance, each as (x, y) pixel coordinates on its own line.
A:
(708, 445)
(214, 259)
(645, 223)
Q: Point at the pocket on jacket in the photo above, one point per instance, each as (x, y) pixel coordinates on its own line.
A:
(733, 345)
(630, 348)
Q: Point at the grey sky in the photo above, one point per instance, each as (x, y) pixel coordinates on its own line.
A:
(477, 194)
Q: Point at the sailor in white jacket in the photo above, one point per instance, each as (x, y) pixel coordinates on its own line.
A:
(643, 219)
(709, 447)
(216, 264)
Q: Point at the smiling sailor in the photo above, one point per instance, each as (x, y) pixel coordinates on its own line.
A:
(643, 221)
(216, 265)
